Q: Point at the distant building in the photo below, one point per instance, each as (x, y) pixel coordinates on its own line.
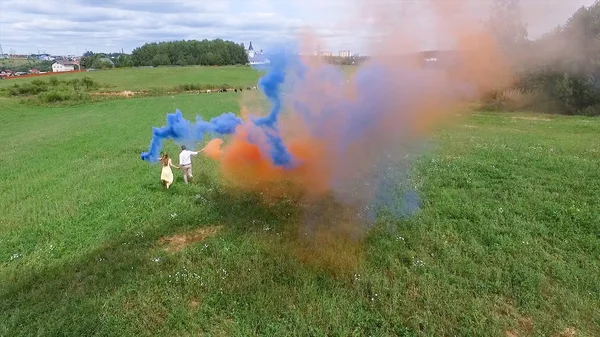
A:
(46, 57)
(250, 51)
(345, 53)
(58, 67)
(7, 73)
(256, 57)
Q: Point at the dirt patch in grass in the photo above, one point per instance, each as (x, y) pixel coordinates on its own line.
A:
(533, 119)
(568, 332)
(173, 91)
(524, 326)
(125, 93)
(194, 304)
(177, 242)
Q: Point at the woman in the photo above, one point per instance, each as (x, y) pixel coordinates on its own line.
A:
(166, 175)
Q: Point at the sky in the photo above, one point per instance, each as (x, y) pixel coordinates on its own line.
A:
(70, 27)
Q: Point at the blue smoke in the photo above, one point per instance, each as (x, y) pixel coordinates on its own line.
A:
(271, 85)
(185, 132)
(382, 95)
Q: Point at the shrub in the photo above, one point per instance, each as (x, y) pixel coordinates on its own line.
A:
(194, 86)
(53, 90)
(55, 96)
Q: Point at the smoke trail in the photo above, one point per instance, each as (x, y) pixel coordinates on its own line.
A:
(355, 137)
(344, 143)
(271, 84)
(185, 132)
(351, 138)
(343, 150)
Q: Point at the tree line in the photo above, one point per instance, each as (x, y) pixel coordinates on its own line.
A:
(217, 52)
(557, 73)
(40, 65)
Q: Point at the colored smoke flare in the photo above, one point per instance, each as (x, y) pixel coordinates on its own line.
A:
(188, 133)
(213, 148)
(353, 138)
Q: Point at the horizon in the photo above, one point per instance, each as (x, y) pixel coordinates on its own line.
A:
(28, 27)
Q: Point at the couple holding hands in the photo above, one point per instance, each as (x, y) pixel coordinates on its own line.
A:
(185, 163)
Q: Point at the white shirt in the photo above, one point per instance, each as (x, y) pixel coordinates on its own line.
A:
(185, 157)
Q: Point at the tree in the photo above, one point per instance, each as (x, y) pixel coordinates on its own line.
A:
(507, 28)
(86, 61)
(192, 52)
(161, 60)
(562, 71)
(102, 63)
(124, 61)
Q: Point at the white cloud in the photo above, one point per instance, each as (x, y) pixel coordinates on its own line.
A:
(71, 26)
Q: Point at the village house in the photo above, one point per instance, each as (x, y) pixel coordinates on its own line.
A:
(6, 73)
(61, 66)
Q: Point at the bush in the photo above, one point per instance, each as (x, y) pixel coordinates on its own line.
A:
(55, 96)
(201, 87)
(53, 90)
(25, 89)
(89, 83)
(559, 72)
(550, 92)
(592, 110)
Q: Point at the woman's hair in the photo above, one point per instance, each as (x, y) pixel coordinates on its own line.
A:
(164, 159)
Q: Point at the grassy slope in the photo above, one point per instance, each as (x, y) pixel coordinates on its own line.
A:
(162, 77)
(508, 236)
(14, 62)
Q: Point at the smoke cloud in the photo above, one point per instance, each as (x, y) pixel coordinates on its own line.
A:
(349, 136)
(185, 132)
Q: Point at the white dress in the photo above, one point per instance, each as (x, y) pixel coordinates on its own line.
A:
(167, 174)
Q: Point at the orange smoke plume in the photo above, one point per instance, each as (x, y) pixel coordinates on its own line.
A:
(213, 148)
(341, 127)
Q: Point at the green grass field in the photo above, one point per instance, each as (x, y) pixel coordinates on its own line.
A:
(14, 62)
(157, 78)
(507, 242)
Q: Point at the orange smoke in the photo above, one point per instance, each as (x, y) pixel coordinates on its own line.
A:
(213, 149)
(416, 100)
(394, 39)
(244, 165)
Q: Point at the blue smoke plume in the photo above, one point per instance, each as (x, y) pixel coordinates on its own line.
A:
(185, 132)
(377, 120)
(271, 85)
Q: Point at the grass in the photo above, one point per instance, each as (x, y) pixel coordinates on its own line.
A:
(135, 79)
(12, 62)
(507, 241)
(52, 91)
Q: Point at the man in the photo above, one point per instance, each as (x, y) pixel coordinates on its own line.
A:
(185, 162)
